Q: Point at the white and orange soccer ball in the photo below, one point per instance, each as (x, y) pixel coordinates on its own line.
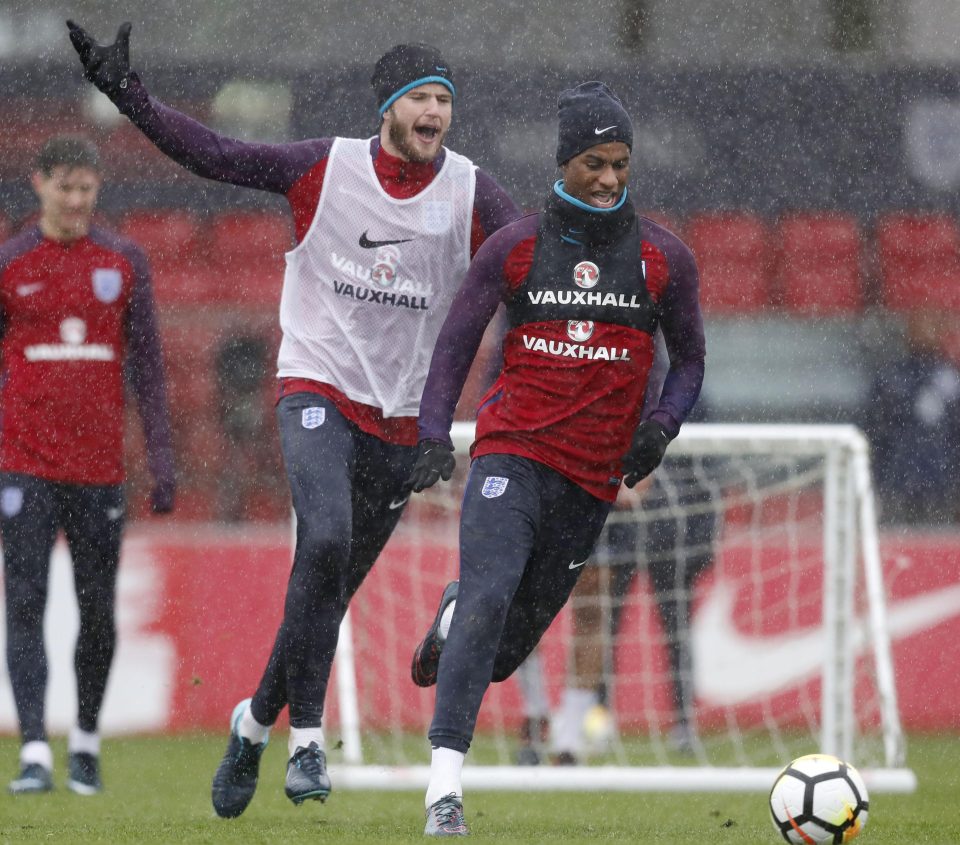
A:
(818, 799)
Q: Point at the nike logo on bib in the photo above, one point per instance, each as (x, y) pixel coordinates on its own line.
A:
(366, 243)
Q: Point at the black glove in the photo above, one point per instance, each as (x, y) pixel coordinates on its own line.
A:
(106, 67)
(161, 498)
(434, 461)
(646, 451)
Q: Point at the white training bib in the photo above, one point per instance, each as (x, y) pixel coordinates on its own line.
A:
(366, 291)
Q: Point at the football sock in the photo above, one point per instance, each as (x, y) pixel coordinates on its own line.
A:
(36, 751)
(251, 730)
(446, 766)
(568, 730)
(82, 742)
(302, 737)
(445, 620)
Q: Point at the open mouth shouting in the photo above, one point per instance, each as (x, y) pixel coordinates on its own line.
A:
(427, 133)
(603, 199)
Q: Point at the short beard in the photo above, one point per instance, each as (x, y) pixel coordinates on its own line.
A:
(398, 137)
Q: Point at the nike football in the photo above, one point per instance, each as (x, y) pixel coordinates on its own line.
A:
(819, 799)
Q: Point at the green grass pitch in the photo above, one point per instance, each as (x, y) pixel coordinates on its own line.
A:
(158, 791)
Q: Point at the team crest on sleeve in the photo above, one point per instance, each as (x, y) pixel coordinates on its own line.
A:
(107, 283)
(586, 274)
(437, 215)
(313, 417)
(11, 501)
(493, 486)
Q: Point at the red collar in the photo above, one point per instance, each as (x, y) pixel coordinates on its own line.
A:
(401, 178)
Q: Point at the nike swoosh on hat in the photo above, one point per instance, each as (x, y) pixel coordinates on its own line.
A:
(605, 129)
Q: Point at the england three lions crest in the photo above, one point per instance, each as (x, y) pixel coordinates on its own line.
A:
(494, 486)
(107, 284)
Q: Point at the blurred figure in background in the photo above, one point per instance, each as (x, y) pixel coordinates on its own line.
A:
(668, 528)
(912, 418)
(666, 525)
(242, 365)
(78, 326)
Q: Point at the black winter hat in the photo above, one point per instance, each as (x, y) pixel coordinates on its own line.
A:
(590, 114)
(406, 66)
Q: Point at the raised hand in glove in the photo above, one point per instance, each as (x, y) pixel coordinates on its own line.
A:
(107, 67)
(646, 451)
(434, 461)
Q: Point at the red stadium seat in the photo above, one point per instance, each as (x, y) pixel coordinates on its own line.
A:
(133, 158)
(732, 253)
(171, 240)
(246, 249)
(168, 237)
(820, 267)
(918, 260)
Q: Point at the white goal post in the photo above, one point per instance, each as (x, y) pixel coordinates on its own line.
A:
(787, 633)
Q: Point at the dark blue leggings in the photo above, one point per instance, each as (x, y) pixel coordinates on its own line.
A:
(346, 495)
(32, 511)
(522, 547)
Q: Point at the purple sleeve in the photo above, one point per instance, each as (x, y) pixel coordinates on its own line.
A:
(144, 371)
(682, 325)
(268, 167)
(492, 204)
(472, 309)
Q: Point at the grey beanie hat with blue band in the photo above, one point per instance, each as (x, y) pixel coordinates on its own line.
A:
(590, 114)
(405, 67)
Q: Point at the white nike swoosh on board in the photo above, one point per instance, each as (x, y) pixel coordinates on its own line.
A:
(26, 290)
(575, 565)
(732, 668)
(605, 129)
(398, 504)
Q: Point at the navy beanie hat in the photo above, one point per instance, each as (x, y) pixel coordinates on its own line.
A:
(405, 67)
(590, 114)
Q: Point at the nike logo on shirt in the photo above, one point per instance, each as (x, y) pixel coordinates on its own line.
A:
(26, 290)
(605, 129)
(366, 243)
(575, 565)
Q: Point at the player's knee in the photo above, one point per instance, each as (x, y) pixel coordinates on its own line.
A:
(319, 544)
(505, 665)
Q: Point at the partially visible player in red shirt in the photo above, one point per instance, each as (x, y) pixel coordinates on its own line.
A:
(77, 325)
(586, 284)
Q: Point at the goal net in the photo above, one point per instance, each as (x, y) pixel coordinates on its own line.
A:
(736, 619)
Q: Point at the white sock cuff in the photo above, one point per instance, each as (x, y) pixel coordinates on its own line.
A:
(36, 751)
(578, 699)
(302, 737)
(250, 729)
(446, 769)
(445, 618)
(81, 742)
